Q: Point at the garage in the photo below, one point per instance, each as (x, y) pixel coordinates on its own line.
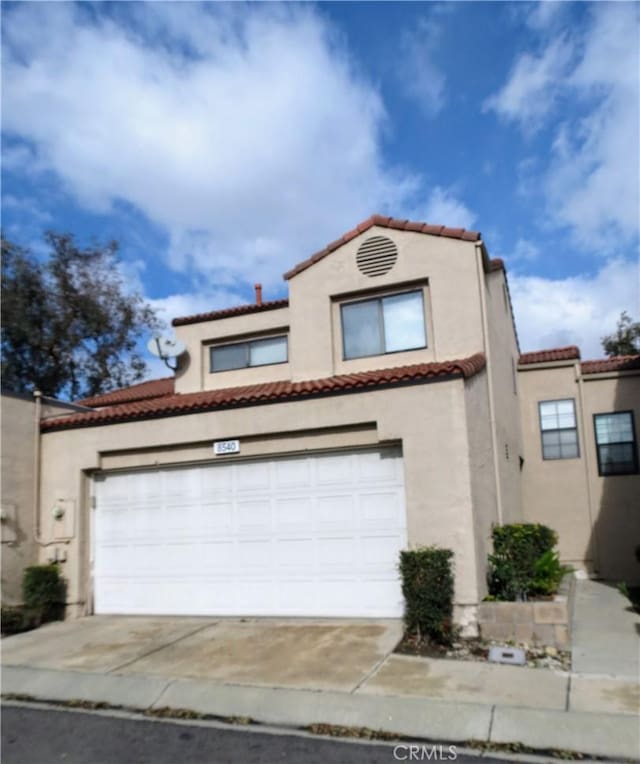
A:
(311, 535)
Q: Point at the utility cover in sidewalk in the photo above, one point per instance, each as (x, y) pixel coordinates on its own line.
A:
(513, 655)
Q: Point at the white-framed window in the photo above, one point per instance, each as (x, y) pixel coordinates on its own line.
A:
(559, 429)
(616, 443)
(387, 324)
(241, 355)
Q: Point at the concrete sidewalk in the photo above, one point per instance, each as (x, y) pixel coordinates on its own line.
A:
(304, 672)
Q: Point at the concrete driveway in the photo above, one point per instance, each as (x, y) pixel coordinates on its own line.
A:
(302, 653)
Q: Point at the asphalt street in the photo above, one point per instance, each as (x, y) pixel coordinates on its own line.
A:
(36, 735)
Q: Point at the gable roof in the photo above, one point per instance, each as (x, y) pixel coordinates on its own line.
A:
(400, 225)
(238, 310)
(272, 392)
(152, 388)
(568, 353)
(615, 363)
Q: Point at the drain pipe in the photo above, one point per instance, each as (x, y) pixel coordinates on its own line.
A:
(37, 395)
(487, 350)
(587, 473)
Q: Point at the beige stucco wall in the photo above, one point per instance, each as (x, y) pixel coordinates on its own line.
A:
(193, 373)
(554, 492)
(502, 364)
(444, 268)
(19, 550)
(596, 517)
(437, 468)
(615, 499)
(482, 471)
(18, 547)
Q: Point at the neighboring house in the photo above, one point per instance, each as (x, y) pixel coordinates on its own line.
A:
(384, 405)
(21, 416)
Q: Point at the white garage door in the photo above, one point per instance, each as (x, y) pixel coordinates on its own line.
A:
(315, 535)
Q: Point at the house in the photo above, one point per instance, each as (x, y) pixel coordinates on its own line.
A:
(304, 442)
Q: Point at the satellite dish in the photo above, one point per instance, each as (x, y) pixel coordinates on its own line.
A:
(166, 348)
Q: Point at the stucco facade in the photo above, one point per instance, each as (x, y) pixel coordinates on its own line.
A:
(20, 416)
(459, 408)
(596, 516)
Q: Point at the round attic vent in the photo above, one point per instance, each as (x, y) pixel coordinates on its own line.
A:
(376, 256)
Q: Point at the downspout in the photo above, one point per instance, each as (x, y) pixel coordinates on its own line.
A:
(37, 395)
(583, 420)
(487, 350)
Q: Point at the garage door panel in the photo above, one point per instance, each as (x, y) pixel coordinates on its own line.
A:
(377, 467)
(335, 511)
(294, 553)
(292, 473)
(314, 535)
(251, 476)
(379, 508)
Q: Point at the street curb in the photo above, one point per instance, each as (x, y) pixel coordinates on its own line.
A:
(609, 735)
(48, 684)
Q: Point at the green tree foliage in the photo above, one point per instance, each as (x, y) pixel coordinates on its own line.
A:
(626, 338)
(70, 328)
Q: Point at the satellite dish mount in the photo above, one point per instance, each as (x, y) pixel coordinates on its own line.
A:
(166, 348)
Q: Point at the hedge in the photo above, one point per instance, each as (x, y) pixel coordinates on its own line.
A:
(524, 562)
(43, 593)
(427, 586)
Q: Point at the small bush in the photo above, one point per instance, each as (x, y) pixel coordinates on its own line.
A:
(13, 619)
(427, 586)
(524, 562)
(548, 573)
(44, 593)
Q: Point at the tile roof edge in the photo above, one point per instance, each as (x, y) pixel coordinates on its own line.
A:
(89, 401)
(238, 310)
(549, 355)
(338, 384)
(387, 222)
(614, 363)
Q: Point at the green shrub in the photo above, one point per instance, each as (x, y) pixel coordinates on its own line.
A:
(523, 562)
(549, 572)
(13, 619)
(427, 586)
(44, 593)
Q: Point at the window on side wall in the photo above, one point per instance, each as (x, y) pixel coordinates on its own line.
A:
(242, 355)
(383, 325)
(616, 443)
(559, 430)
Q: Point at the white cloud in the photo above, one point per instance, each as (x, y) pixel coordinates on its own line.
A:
(546, 13)
(574, 311)
(444, 208)
(191, 303)
(420, 77)
(533, 86)
(524, 251)
(264, 134)
(591, 181)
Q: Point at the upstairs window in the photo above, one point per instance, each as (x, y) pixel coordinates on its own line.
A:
(559, 430)
(616, 443)
(241, 355)
(383, 325)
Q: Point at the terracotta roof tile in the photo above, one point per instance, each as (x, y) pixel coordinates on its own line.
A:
(384, 222)
(271, 392)
(238, 310)
(616, 363)
(568, 353)
(152, 388)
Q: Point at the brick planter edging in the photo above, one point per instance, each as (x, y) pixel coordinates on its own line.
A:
(541, 623)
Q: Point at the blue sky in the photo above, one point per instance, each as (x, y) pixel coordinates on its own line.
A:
(220, 144)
